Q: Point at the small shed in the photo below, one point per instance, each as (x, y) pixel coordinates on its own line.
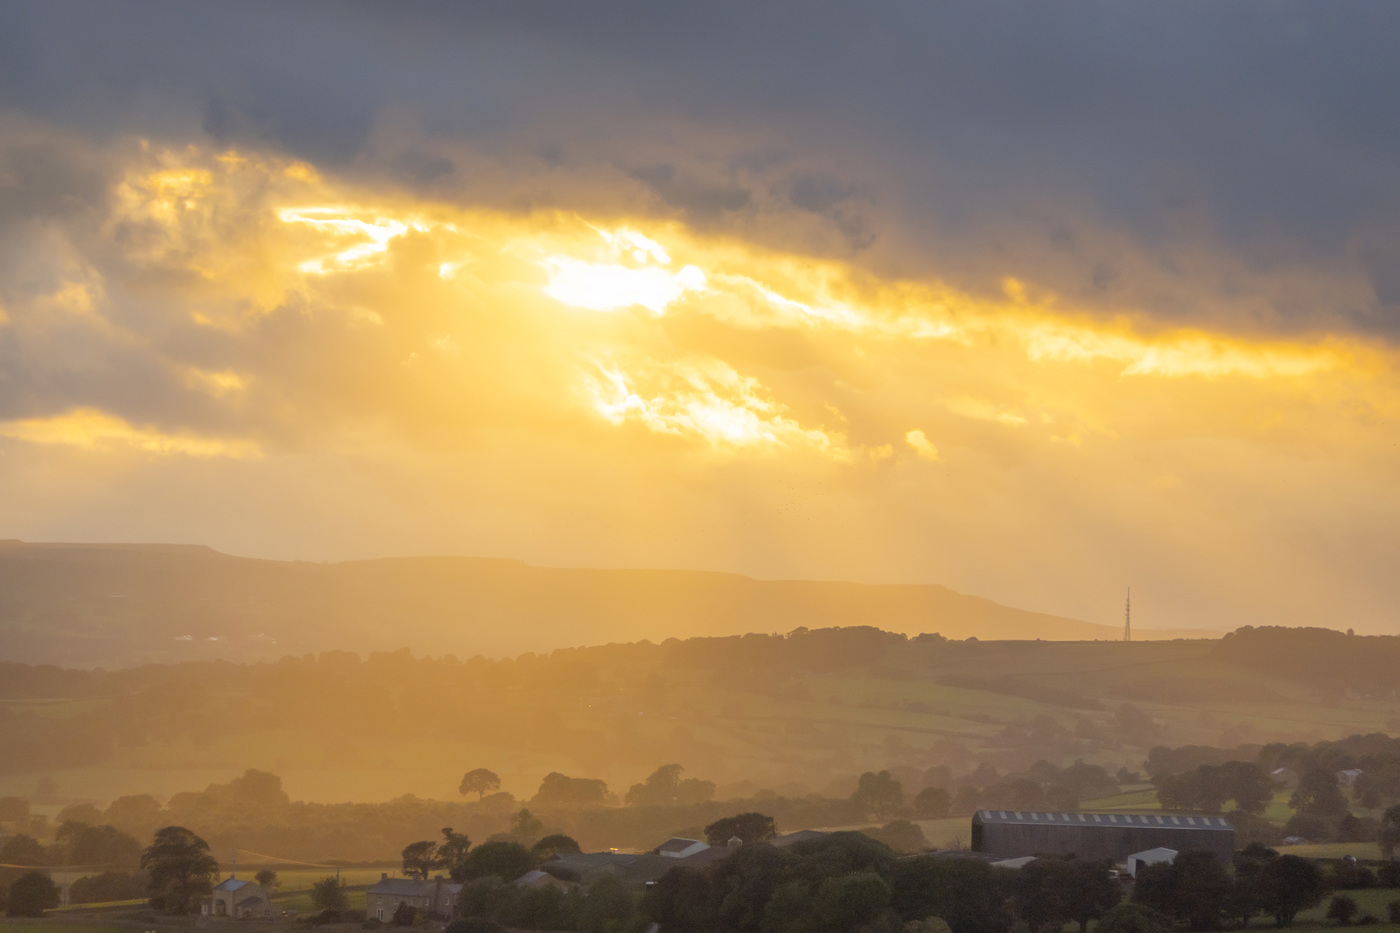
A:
(1150, 857)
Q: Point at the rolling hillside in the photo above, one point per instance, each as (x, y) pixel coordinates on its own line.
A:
(116, 605)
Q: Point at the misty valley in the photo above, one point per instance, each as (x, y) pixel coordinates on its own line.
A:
(340, 763)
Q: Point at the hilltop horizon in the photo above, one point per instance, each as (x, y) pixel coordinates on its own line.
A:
(121, 604)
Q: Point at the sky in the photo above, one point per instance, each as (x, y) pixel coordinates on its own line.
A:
(1034, 301)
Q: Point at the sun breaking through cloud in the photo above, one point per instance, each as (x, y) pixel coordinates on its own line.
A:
(311, 338)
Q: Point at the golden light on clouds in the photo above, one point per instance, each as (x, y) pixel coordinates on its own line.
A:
(709, 400)
(95, 430)
(364, 240)
(1013, 361)
(630, 373)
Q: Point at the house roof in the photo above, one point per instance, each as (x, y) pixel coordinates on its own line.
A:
(536, 878)
(1153, 820)
(411, 887)
(1159, 852)
(637, 867)
(231, 884)
(680, 844)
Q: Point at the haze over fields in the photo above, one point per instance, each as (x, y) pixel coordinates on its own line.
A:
(515, 441)
(115, 606)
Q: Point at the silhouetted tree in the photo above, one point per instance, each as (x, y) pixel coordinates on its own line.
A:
(851, 901)
(1288, 885)
(1319, 796)
(552, 845)
(1195, 889)
(181, 869)
(329, 894)
(267, 878)
(1247, 785)
(526, 827)
(750, 827)
(452, 853)
(878, 794)
(31, 894)
(421, 859)
(560, 790)
(970, 895)
(101, 845)
(1057, 890)
(1246, 897)
(932, 803)
(1342, 909)
(108, 886)
(22, 850)
(665, 788)
(480, 782)
(505, 860)
(1388, 835)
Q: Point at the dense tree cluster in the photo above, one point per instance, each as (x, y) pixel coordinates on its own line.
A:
(1207, 788)
(847, 881)
(666, 788)
(1197, 890)
(1324, 658)
(1205, 779)
(605, 906)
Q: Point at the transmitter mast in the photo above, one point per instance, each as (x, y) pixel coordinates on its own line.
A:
(1128, 617)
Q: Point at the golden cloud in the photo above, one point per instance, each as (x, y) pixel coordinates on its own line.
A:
(579, 364)
(92, 429)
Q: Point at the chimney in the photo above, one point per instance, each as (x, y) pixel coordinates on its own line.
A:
(383, 876)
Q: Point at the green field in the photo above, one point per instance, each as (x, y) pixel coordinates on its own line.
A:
(805, 731)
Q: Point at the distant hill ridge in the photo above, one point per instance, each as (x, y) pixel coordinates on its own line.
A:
(124, 604)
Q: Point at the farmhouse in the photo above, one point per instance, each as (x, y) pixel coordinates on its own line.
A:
(242, 900)
(1013, 833)
(437, 898)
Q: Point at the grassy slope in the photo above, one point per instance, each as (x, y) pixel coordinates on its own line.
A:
(839, 725)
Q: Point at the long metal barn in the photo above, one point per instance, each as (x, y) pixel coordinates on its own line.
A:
(1115, 836)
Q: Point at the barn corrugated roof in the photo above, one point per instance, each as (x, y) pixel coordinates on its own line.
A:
(1153, 820)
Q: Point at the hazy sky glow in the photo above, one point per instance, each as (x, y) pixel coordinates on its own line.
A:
(512, 284)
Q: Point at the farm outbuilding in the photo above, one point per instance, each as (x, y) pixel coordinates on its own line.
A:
(1013, 833)
(1150, 857)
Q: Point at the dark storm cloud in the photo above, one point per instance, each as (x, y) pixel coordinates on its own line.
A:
(1191, 154)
